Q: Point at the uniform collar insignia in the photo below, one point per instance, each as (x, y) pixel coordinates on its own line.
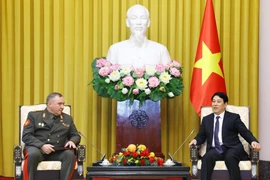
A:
(41, 124)
(64, 124)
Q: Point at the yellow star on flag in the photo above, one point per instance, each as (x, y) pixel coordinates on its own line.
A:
(208, 63)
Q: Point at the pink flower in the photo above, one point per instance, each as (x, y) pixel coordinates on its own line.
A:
(176, 63)
(107, 64)
(139, 72)
(128, 81)
(160, 67)
(115, 67)
(100, 62)
(175, 72)
(153, 82)
(135, 91)
(116, 87)
(104, 71)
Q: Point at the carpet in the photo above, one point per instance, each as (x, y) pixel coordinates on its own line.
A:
(6, 178)
(10, 178)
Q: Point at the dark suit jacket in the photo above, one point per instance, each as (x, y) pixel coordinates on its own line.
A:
(231, 127)
(39, 130)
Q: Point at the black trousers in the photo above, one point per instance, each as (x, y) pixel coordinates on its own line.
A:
(231, 158)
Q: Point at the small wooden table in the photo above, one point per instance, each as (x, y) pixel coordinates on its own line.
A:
(138, 172)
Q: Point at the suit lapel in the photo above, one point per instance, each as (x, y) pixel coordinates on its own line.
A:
(47, 118)
(211, 125)
(58, 123)
(224, 125)
(55, 126)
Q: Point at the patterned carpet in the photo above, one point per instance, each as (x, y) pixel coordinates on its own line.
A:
(8, 178)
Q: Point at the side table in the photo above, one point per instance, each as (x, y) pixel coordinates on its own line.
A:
(138, 172)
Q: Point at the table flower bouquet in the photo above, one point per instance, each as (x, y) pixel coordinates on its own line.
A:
(129, 83)
(136, 156)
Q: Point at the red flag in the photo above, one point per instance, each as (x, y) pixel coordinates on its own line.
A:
(208, 76)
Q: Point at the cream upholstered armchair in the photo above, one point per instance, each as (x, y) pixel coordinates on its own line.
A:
(248, 168)
(46, 169)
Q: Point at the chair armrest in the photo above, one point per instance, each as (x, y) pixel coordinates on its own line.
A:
(17, 159)
(194, 153)
(80, 152)
(17, 155)
(194, 156)
(254, 156)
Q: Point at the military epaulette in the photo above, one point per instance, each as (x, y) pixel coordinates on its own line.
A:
(37, 110)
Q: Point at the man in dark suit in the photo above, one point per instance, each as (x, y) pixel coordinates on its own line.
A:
(220, 129)
(48, 135)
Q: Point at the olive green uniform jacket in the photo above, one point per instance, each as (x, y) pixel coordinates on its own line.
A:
(40, 128)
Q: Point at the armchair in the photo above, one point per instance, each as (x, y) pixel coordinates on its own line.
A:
(46, 169)
(248, 168)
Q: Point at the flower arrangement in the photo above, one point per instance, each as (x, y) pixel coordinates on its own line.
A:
(129, 83)
(136, 156)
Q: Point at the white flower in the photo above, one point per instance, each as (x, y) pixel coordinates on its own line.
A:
(125, 70)
(151, 71)
(170, 94)
(147, 91)
(165, 77)
(107, 80)
(124, 90)
(114, 76)
(141, 83)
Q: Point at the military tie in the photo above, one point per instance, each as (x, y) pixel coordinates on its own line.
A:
(217, 144)
(55, 119)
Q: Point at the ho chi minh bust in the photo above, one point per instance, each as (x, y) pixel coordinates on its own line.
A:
(138, 51)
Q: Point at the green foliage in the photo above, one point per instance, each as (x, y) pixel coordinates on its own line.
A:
(108, 87)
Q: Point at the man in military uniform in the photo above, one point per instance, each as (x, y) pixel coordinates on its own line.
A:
(47, 131)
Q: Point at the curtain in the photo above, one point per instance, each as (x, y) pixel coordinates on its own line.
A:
(49, 45)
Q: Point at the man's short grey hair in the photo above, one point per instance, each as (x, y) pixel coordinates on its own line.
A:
(138, 6)
(53, 95)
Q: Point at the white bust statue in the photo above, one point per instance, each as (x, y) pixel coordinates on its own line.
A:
(138, 51)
